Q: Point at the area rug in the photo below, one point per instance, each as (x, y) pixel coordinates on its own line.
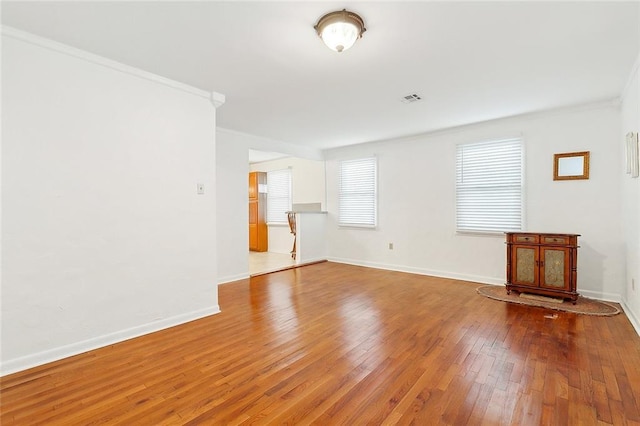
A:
(583, 306)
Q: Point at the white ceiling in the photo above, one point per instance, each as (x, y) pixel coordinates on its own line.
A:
(469, 62)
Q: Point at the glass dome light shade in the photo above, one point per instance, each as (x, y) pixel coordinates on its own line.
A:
(340, 30)
(339, 36)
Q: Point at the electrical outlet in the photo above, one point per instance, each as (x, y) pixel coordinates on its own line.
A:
(200, 188)
(390, 246)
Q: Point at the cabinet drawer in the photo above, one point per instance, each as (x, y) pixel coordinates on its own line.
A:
(554, 239)
(523, 238)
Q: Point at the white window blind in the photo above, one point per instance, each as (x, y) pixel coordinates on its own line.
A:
(278, 195)
(489, 186)
(357, 197)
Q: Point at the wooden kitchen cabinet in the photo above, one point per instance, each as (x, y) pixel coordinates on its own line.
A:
(253, 185)
(258, 231)
(544, 264)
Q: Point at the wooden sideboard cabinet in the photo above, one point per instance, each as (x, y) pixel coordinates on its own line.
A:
(544, 264)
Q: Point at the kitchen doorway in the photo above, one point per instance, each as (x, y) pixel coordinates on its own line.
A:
(262, 262)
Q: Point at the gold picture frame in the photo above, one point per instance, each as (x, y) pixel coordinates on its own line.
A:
(571, 166)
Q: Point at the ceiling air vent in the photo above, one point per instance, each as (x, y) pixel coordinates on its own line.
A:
(410, 98)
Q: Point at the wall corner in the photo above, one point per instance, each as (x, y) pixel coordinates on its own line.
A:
(217, 99)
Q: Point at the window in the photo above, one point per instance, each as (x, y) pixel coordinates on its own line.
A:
(278, 196)
(358, 196)
(489, 192)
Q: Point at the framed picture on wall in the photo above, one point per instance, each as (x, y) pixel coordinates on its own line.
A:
(571, 166)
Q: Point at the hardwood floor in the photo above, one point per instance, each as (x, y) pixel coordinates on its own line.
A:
(337, 344)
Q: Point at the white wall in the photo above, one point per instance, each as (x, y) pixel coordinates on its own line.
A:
(631, 200)
(232, 166)
(307, 186)
(104, 237)
(311, 230)
(417, 200)
(233, 216)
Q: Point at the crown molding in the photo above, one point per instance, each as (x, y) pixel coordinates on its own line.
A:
(601, 104)
(216, 98)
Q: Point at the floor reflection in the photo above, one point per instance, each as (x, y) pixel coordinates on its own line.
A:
(361, 327)
(275, 306)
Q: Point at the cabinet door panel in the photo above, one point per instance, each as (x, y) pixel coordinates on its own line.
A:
(555, 268)
(253, 186)
(253, 212)
(253, 237)
(525, 265)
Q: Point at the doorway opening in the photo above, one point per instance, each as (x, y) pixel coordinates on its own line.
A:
(268, 238)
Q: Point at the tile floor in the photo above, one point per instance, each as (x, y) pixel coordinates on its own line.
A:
(263, 262)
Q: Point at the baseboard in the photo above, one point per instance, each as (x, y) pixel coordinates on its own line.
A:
(610, 297)
(286, 268)
(599, 295)
(34, 360)
(421, 271)
(312, 260)
(633, 319)
(232, 278)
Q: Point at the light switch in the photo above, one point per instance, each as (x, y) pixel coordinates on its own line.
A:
(200, 188)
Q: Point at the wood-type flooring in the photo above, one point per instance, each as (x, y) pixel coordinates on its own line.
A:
(334, 344)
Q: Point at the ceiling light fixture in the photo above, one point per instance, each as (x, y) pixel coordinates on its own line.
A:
(339, 30)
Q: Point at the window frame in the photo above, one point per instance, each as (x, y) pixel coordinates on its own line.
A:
(346, 222)
(270, 198)
(504, 227)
